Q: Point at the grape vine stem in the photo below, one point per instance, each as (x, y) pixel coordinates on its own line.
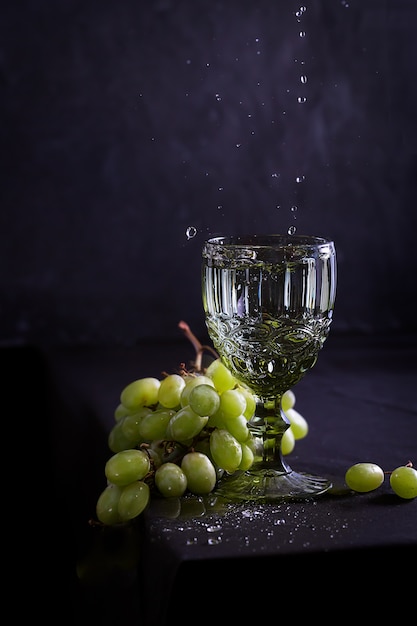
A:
(198, 346)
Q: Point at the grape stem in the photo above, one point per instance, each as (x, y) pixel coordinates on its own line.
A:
(198, 346)
(409, 464)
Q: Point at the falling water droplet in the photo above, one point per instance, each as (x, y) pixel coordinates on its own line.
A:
(302, 33)
(301, 99)
(300, 11)
(303, 79)
(190, 232)
(294, 208)
(291, 230)
(300, 179)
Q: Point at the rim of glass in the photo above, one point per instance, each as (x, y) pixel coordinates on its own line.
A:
(268, 240)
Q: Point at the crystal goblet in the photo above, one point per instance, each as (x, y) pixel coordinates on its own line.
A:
(268, 302)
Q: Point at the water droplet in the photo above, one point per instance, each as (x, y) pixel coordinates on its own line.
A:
(300, 179)
(294, 208)
(218, 97)
(213, 541)
(303, 79)
(291, 230)
(302, 33)
(191, 232)
(301, 99)
(192, 542)
(213, 529)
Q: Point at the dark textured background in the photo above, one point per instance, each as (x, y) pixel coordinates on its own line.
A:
(123, 123)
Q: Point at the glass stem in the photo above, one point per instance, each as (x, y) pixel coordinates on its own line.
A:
(268, 427)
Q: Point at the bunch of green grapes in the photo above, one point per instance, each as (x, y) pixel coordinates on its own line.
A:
(181, 434)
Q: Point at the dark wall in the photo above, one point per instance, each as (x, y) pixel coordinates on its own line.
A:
(124, 123)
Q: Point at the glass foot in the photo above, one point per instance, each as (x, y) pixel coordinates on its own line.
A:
(266, 485)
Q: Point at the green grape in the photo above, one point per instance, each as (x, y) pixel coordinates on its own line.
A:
(247, 457)
(190, 383)
(298, 423)
(204, 400)
(170, 480)
(141, 392)
(130, 425)
(403, 481)
(203, 445)
(170, 389)
(185, 424)
(287, 400)
(107, 503)
(250, 402)
(117, 440)
(364, 477)
(200, 473)
(238, 427)
(222, 378)
(287, 442)
(120, 411)
(232, 403)
(133, 500)
(154, 425)
(126, 467)
(225, 450)
(216, 420)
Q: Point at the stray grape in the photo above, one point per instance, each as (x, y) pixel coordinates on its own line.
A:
(403, 481)
(364, 477)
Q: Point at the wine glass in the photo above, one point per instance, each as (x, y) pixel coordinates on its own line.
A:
(268, 303)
